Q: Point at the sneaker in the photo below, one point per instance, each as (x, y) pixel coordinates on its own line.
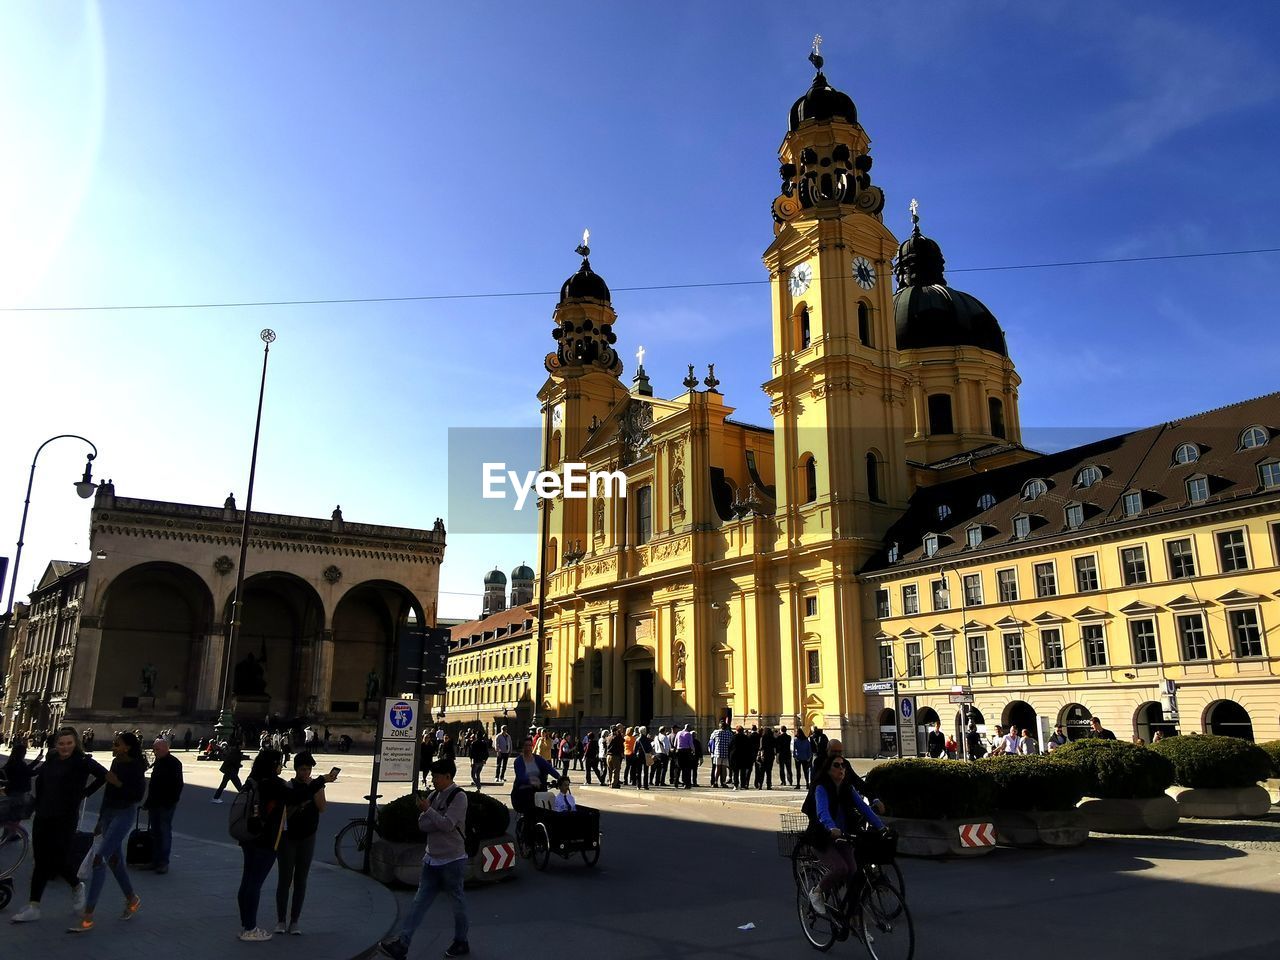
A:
(815, 900)
(219, 800)
(28, 914)
(79, 897)
(394, 947)
(281, 928)
(131, 907)
(294, 929)
(83, 925)
(458, 948)
(256, 935)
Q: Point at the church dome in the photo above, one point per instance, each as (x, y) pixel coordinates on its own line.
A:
(586, 283)
(822, 102)
(522, 572)
(928, 313)
(495, 576)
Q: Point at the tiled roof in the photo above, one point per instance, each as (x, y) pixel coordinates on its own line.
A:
(55, 571)
(1141, 461)
(512, 620)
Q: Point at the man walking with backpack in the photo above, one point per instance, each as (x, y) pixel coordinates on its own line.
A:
(444, 866)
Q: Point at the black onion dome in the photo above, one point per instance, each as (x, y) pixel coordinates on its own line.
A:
(822, 102)
(522, 572)
(495, 576)
(585, 284)
(928, 313)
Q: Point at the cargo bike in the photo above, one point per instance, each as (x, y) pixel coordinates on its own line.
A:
(541, 832)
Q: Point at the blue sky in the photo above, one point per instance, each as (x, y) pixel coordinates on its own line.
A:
(162, 153)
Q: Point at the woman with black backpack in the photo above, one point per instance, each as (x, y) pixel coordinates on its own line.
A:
(257, 821)
(62, 782)
(126, 786)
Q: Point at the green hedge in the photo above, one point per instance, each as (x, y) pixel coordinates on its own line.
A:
(1034, 782)
(1272, 748)
(487, 817)
(1114, 769)
(932, 789)
(1212, 762)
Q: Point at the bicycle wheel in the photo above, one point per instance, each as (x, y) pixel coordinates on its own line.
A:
(541, 854)
(885, 923)
(889, 873)
(819, 931)
(803, 854)
(14, 846)
(349, 845)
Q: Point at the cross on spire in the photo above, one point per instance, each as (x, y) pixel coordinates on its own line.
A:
(583, 250)
(815, 57)
(640, 357)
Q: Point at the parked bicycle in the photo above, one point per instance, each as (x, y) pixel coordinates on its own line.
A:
(352, 840)
(15, 845)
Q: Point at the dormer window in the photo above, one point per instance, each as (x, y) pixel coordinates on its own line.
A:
(930, 544)
(1075, 516)
(986, 501)
(1254, 436)
(1088, 476)
(1186, 453)
(1133, 503)
(1197, 489)
(1021, 527)
(973, 536)
(1033, 489)
(1269, 475)
(943, 511)
(894, 552)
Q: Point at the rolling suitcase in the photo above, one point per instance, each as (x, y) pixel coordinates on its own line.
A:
(140, 848)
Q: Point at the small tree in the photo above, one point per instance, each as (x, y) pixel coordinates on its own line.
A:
(1212, 762)
(932, 789)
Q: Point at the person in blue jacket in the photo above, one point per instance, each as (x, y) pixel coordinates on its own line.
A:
(839, 810)
(532, 773)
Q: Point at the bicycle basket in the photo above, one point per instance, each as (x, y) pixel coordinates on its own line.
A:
(875, 846)
(792, 832)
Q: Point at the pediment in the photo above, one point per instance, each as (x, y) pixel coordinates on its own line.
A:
(974, 626)
(942, 630)
(1007, 622)
(1091, 613)
(1185, 602)
(631, 416)
(814, 702)
(911, 633)
(1240, 596)
(1138, 607)
(883, 637)
(1047, 618)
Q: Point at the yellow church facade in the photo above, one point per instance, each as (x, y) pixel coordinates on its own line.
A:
(743, 575)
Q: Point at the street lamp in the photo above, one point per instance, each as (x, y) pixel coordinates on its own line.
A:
(84, 487)
(226, 718)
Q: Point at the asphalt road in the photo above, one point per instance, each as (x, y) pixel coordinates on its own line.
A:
(681, 877)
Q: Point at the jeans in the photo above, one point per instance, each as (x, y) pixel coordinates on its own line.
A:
(116, 825)
(785, 776)
(161, 834)
(447, 877)
(295, 863)
(503, 760)
(257, 867)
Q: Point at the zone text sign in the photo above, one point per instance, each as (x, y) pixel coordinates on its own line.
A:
(399, 740)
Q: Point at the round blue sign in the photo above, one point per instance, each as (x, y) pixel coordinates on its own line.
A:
(401, 715)
(907, 708)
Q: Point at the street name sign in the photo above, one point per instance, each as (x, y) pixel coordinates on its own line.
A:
(877, 686)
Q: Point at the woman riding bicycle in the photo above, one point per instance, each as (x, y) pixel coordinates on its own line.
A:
(533, 773)
(839, 810)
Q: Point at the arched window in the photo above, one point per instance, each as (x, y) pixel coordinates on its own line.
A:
(1254, 436)
(1033, 489)
(986, 501)
(864, 323)
(1088, 476)
(940, 421)
(995, 413)
(874, 478)
(1186, 453)
(944, 511)
(809, 478)
(802, 328)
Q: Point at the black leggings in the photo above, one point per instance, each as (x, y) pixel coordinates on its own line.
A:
(295, 863)
(51, 839)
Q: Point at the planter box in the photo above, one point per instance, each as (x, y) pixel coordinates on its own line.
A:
(935, 838)
(1145, 815)
(396, 862)
(1040, 828)
(1240, 803)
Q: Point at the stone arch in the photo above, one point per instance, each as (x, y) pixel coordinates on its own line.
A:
(376, 646)
(1227, 718)
(1074, 718)
(1149, 718)
(282, 621)
(1020, 714)
(153, 616)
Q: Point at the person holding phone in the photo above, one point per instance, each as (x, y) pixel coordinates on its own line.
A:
(298, 845)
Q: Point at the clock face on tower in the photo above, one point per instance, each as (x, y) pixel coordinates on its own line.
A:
(801, 277)
(864, 273)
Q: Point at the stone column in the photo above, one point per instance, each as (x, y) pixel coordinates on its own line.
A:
(208, 698)
(322, 671)
(84, 665)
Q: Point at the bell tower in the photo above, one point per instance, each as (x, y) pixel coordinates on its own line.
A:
(838, 401)
(583, 386)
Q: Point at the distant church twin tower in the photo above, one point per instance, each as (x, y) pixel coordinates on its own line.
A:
(495, 586)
